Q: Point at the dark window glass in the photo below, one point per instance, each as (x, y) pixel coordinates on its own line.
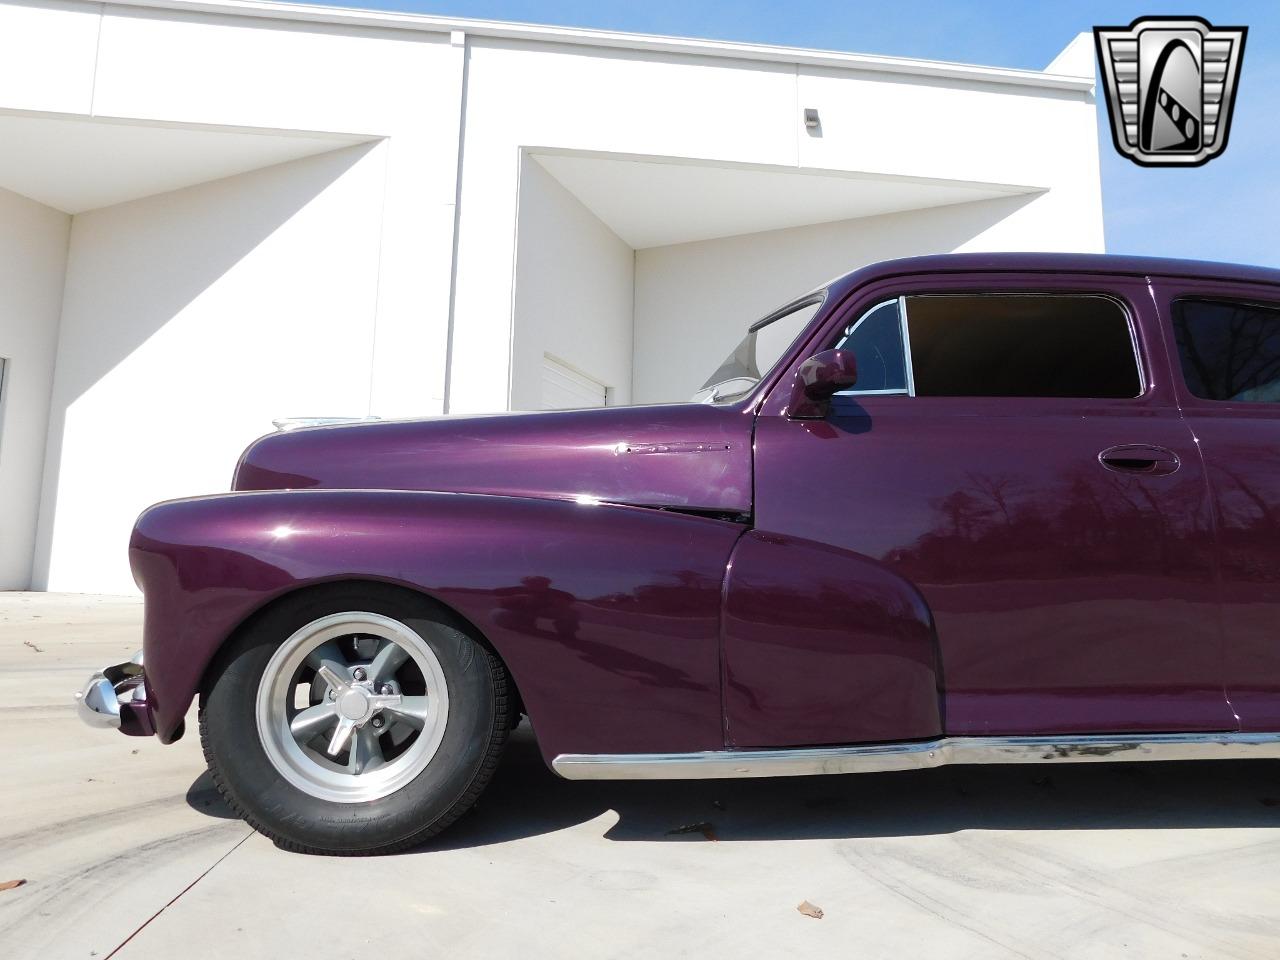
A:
(876, 342)
(1021, 346)
(1229, 351)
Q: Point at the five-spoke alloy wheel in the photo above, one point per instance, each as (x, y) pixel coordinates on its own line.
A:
(354, 719)
(352, 707)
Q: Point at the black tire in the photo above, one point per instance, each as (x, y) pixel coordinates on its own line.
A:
(475, 734)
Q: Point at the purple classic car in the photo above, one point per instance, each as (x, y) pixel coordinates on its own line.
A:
(961, 509)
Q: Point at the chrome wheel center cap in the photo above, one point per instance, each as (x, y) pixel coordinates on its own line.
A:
(353, 704)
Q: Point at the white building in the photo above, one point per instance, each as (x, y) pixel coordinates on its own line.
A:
(218, 213)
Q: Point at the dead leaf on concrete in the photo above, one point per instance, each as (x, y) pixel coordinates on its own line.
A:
(10, 884)
(809, 910)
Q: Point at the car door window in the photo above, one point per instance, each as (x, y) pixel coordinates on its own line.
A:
(1229, 351)
(1021, 346)
(995, 345)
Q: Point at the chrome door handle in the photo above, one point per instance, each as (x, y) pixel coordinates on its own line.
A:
(1140, 458)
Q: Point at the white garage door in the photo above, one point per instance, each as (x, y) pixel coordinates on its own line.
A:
(564, 388)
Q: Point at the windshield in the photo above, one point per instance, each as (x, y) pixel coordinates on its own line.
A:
(766, 341)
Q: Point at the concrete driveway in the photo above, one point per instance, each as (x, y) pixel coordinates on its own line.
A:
(127, 852)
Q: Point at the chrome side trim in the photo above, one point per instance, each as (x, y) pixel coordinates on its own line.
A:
(919, 755)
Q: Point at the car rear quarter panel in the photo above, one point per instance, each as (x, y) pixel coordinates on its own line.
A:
(607, 617)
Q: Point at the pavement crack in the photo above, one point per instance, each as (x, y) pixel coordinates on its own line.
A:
(180, 894)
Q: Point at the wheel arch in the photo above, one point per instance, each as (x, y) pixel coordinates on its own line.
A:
(329, 585)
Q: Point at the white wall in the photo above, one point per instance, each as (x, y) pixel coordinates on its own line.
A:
(402, 85)
(189, 67)
(957, 129)
(694, 301)
(523, 94)
(194, 317)
(190, 320)
(573, 292)
(33, 253)
(47, 55)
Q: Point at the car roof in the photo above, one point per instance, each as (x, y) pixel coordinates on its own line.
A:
(1050, 263)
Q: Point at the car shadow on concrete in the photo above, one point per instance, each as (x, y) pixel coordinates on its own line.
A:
(526, 799)
(203, 797)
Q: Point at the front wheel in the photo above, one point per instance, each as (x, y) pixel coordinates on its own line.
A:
(353, 721)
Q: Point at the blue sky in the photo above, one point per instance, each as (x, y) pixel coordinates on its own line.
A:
(1225, 210)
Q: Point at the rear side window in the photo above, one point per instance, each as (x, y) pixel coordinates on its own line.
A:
(1229, 351)
(1021, 346)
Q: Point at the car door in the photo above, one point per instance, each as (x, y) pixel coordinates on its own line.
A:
(1014, 453)
(1225, 342)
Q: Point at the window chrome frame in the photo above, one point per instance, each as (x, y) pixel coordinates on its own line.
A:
(904, 325)
(910, 389)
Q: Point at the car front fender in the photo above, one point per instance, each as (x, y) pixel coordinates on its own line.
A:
(607, 617)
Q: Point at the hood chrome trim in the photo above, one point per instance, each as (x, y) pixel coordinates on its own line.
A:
(674, 446)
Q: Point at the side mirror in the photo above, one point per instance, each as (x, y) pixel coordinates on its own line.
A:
(818, 380)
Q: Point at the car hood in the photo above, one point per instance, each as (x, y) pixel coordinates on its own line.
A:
(688, 456)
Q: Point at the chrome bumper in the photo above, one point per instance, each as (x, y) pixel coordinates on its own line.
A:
(116, 697)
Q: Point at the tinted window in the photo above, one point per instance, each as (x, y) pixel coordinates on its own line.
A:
(876, 343)
(1229, 351)
(1021, 346)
